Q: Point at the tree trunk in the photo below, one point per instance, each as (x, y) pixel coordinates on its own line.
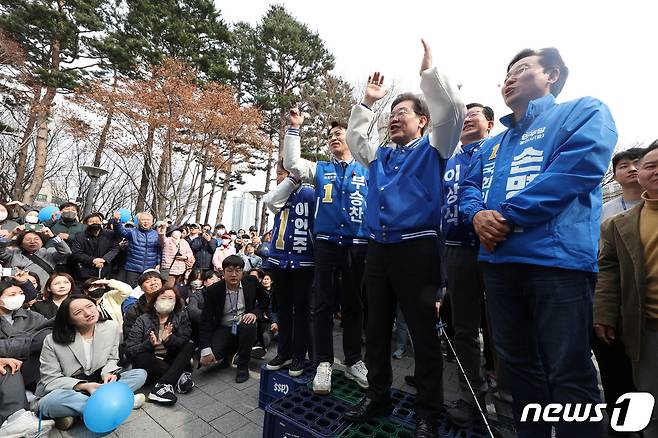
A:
(199, 201)
(106, 128)
(282, 130)
(146, 171)
(212, 196)
(41, 147)
(21, 166)
(226, 185)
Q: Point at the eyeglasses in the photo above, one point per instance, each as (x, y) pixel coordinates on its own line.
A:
(400, 114)
(518, 70)
(473, 115)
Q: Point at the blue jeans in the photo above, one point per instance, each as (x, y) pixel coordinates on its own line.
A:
(541, 321)
(70, 403)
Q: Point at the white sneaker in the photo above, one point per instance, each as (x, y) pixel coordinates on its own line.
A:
(25, 425)
(322, 379)
(359, 373)
(139, 401)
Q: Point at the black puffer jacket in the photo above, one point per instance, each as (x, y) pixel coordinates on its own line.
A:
(85, 248)
(138, 338)
(203, 251)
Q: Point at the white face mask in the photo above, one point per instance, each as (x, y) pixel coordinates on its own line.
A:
(3, 215)
(196, 284)
(14, 302)
(165, 307)
(32, 219)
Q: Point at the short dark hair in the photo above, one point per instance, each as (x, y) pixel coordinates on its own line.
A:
(89, 216)
(146, 275)
(629, 154)
(69, 204)
(21, 237)
(220, 226)
(233, 261)
(487, 111)
(420, 106)
(150, 303)
(4, 285)
(63, 329)
(549, 57)
(207, 275)
(259, 273)
(53, 276)
(336, 124)
(652, 147)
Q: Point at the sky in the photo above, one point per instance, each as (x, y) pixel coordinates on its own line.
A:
(609, 47)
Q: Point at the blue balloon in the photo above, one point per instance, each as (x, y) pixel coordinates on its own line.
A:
(108, 407)
(46, 213)
(125, 215)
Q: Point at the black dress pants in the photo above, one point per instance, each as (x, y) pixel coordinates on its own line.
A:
(292, 288)
(167, 369)
(348, 261)
(407, 273)
(224, 343)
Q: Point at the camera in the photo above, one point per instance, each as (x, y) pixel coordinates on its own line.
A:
(34, 227)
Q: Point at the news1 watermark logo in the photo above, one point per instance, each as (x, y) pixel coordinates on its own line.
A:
(631, 412)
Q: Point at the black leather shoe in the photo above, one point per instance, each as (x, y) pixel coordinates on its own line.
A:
(242, 375)
(426, 429)
(367, 409)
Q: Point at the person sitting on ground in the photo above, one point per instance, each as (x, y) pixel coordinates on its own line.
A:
(268, 326)
(144, 245)
(159, 342)
(149, 283)
(109, 295)
(30, 253)
(78, 357)
(21, 337)
(94, 250)
(177, 257)
(228, 319)
(59, 287)
(196, 301)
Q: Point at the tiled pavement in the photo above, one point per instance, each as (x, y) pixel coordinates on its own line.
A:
(219, 407)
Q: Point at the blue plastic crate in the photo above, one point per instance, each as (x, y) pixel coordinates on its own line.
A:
(404, 413)
(304, 414)
(277, 384)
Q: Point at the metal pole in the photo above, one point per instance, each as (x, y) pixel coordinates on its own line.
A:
(257, 224)
(91, 192)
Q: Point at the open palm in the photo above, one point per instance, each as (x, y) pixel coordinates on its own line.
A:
(375, 89)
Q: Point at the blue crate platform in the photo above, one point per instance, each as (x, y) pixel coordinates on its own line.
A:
(304, 414)
(277, 384)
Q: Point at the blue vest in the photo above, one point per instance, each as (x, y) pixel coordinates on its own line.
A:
(340, 196)
(292, 242)
(455, 231)
(404, 200)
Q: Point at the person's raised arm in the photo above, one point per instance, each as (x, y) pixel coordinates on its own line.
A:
(447, 109)
(276, 198)
(360, 119)
(292, 152)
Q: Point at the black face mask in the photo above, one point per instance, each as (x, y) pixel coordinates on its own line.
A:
(68, 216)
(97, 293)
(94, 228)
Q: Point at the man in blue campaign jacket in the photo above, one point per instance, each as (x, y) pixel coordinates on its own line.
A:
(533, 195)
(465, 285)
(291, 262)
(403, 218)
(341, 187)
(144, 245)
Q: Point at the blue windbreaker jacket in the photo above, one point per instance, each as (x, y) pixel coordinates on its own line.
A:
(543, 175)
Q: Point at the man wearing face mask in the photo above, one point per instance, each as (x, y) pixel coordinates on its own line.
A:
(21, 337)
(93, 250)
(67, 225)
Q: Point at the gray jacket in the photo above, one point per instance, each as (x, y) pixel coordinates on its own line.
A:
(60, 362)
(15, 258)
(16, 339)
